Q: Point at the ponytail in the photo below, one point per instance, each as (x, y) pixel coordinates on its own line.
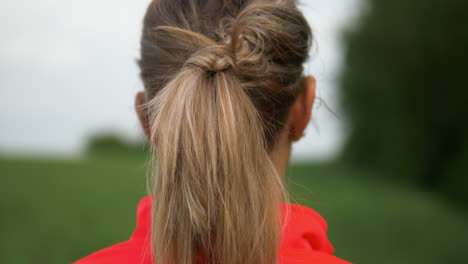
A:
(217, 101)
(216, 192)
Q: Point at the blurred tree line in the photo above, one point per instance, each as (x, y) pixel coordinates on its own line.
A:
(404, 89)
(108, 142)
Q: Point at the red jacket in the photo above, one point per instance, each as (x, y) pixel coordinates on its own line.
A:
(304, 240)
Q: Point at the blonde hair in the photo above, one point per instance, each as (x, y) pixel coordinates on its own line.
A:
(220, 77)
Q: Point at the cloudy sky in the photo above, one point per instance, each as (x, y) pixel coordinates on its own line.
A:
(67, 71)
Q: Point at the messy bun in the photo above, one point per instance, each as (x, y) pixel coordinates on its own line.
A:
(221, 77)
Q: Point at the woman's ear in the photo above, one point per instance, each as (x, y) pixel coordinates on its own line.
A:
(301, 111)
(140, 100)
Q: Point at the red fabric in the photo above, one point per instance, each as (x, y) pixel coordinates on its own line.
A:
(303, 240)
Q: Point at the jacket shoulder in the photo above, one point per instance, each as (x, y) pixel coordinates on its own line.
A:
(302, 256)
(124, 252)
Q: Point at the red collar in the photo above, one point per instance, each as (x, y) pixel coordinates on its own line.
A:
(303, 239)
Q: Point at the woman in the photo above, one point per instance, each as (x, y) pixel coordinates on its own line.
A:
(224, 99)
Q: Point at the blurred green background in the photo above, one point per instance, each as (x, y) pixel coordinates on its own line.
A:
(396, 194)
(60, 211)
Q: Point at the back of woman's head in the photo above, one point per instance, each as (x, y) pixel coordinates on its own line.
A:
(220, 78)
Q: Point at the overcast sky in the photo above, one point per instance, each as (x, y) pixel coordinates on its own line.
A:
(67, 71)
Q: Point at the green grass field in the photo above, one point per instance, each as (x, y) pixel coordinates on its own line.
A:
(58, 211)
